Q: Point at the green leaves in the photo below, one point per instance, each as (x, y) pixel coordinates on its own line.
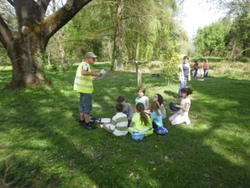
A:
(211, 39)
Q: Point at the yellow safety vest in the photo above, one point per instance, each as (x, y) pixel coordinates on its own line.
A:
(83, 83)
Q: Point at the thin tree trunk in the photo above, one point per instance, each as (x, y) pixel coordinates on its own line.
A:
(117, 49)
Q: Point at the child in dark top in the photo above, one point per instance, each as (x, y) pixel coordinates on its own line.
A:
(127, 108)
(196, 67)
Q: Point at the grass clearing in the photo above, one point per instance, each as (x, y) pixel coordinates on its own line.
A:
(43, 146)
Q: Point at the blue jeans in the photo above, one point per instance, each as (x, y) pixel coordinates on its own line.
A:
(205, 72)
(183, 84)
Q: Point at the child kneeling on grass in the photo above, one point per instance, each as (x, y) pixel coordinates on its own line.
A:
(141, 121)
(181, 116)
(119, 123)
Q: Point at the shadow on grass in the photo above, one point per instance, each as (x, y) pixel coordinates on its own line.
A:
(51, 149)
(171, 93)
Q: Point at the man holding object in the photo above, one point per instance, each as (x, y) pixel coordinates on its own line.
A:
(84, 85)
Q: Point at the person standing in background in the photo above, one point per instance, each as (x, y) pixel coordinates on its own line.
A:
(196, 67)
(184, 74)
(205, 68)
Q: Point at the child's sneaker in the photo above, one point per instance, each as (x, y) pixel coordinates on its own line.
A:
(94, 119)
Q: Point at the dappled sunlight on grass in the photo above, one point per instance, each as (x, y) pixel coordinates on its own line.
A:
(227, 145)
(44, 146)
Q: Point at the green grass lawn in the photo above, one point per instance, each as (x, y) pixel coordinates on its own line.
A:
(41, 144)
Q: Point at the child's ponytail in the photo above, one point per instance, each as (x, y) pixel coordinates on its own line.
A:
(144, 117)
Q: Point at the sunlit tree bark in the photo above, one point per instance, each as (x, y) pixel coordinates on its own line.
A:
(34, 31)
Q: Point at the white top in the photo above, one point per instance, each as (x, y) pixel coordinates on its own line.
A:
(181, 73)
(163, 111)
(183, 104)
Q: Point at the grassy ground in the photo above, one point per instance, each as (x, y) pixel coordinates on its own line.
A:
(41, 144)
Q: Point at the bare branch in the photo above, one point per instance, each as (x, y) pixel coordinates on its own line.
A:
(58, 19)
(43, 4)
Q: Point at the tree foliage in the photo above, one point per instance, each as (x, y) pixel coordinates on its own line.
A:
(148, 29)
(239, 36)
(211, 39)
(229, 36)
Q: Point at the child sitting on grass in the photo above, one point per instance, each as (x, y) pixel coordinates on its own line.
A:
(159, 99)
(127, 108)
(141, 121)
(119, 123)
(142, 98)
(181, 116)
(156, 116)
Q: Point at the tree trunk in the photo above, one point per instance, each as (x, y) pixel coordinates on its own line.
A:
(26, 71)
(117, 49)
(34, 31)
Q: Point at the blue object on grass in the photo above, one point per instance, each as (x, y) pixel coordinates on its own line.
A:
(161, 130)
(173, 107)
(136, 136)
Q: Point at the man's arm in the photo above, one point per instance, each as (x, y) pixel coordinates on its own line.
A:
(86, 72)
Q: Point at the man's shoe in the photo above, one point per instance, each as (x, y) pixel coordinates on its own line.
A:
(90, 127)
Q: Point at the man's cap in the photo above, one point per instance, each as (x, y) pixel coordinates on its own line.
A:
(90, 54)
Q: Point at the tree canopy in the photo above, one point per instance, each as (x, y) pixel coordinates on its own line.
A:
(230, 36)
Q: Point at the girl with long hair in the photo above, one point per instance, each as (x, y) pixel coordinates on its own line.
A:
(159, 99)
(156, 117)
(141, 121)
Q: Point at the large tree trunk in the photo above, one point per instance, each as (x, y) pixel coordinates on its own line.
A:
(26, 71)
(117, 49)
(26, 49)
(22, 50)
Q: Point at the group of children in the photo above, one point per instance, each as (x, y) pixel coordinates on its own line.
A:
(146, 118)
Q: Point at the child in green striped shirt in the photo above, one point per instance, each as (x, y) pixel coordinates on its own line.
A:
(119, 123)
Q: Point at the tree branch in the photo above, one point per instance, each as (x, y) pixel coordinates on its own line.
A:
(43, 4)
(58, 19)
(5, 33)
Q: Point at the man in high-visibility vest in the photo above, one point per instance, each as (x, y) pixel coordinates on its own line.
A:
(84, 85)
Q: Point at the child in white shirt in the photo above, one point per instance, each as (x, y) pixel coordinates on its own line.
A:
(181, 116)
